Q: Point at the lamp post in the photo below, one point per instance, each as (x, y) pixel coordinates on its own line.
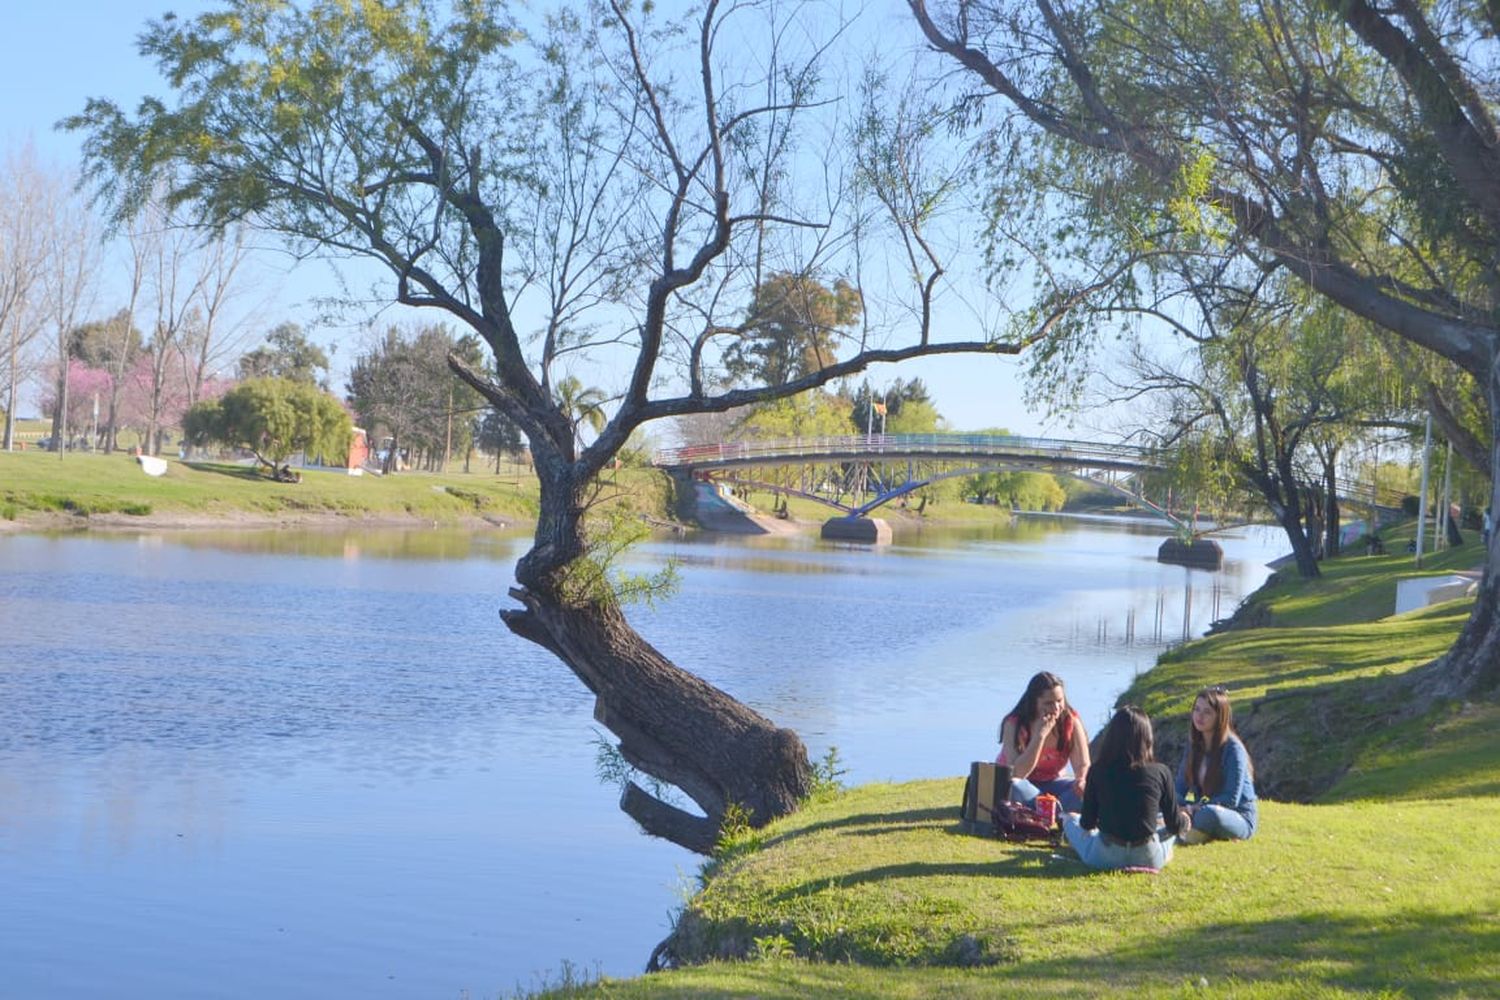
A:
(1422, 501)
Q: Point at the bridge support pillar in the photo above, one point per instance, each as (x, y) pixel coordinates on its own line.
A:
(865, 530)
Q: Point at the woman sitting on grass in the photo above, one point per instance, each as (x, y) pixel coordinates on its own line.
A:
(1216, 775)
(1127, 796)
(1041, 736)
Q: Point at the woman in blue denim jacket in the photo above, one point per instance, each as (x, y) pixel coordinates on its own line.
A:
(1216, 775)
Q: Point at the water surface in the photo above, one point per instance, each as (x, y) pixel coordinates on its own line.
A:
(297, 763)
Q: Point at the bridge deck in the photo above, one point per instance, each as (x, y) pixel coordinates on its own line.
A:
(887, 447)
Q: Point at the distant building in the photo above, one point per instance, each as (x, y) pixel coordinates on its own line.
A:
(359, 450)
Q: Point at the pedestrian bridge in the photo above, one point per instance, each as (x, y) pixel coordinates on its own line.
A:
(990, 450)
(858, 473)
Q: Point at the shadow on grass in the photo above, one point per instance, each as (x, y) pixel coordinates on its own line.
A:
(1028, 862)
(1416, 953)
(873, 823)
(248, 473)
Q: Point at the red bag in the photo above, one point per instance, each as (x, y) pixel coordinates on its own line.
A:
(1018, 823)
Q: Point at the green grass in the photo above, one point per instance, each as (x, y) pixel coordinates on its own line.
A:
(878, 893)
(87, 485)
(1383, 881)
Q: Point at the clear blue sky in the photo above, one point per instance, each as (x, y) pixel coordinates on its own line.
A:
(54, 56)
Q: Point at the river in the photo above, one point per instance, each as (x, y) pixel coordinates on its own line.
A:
(308, 763)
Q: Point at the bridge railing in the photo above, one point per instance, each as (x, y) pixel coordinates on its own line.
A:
(875, 445)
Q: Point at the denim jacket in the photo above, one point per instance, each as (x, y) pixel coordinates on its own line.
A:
(1237, 792)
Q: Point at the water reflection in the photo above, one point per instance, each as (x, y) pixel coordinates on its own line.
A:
(292, 762)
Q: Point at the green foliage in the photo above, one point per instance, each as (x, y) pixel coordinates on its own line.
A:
(736, 836)
(827, 775)
(792, 328)
(401, 386)
(611, 768)
(1018, 490)
(806, 415)
(288, 354)
(580, 404)
(596, 577)
(273, 417)
(866, 402)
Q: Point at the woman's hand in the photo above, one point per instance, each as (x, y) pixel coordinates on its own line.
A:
(1044, 726)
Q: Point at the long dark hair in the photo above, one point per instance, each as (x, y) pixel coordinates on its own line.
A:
(1025, 710)
(1127, 740)
(1212, 747)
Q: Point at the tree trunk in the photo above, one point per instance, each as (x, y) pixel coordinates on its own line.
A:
(1472, 666)
(671, 724)
(1291, 522)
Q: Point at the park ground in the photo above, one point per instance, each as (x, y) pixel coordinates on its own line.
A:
(1374, 874)
(46, 491)
(1378, 878)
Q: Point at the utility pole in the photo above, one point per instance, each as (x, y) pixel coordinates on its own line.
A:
(1448, 497)
(448, 441)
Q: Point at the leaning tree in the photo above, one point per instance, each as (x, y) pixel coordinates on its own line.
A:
(606, 185)
(1351, 144)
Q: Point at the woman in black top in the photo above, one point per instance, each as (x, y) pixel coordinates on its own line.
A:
(1128, 796)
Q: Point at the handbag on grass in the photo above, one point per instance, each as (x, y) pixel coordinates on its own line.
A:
(988, 812)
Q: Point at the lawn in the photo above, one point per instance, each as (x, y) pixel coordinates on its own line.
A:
(86, 486)
(1382, 881)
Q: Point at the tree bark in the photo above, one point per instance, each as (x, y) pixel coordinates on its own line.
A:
(1472, 666)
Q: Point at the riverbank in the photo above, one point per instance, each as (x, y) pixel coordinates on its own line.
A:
(40, 491)
(1373, 873)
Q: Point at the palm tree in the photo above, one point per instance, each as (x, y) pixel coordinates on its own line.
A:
(581, 405)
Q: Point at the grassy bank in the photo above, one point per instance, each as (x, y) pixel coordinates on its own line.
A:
(40, 489)
(1382, 881)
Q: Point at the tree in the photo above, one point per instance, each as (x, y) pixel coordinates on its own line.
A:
(288, 354)
(497, 434)
(275, 418)
(112, 347)
(792, 328)
(581, 404)
(613, 180)
(1351, 145)
(68, 282)
(24, 197)
(402, 385)
(866, 416)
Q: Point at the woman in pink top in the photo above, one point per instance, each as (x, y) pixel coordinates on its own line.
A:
(1041, 736)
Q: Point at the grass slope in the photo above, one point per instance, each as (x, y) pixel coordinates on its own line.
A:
(1386, 884)
(87, 485)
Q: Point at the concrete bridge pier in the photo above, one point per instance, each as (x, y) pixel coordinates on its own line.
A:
(865, 530)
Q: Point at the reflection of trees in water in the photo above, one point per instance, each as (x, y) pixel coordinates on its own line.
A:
(1169, 619)
(373, 543)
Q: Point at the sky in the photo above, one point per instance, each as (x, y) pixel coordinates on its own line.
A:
(54, 56)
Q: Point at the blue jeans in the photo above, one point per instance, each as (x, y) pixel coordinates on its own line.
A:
(1095, 852)
(1025, 792)
(1218, 823)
